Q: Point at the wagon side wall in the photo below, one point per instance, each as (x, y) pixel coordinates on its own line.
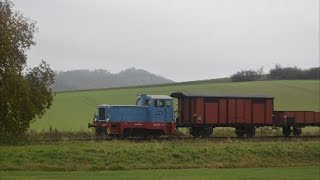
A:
(225, 111)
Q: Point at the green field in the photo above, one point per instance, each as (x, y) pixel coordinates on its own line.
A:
(73, 110)
(185, 174)
(180, 154)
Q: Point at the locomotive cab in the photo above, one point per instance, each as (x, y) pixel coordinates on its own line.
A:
(160, 107)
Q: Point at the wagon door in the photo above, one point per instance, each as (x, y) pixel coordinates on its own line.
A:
(258, 111)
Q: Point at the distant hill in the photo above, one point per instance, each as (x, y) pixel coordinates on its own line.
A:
(86, 79)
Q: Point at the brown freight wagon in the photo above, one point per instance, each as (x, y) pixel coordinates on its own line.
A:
(293, 121)
(201, 112)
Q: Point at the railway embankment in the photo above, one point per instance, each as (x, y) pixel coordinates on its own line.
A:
(128, 155)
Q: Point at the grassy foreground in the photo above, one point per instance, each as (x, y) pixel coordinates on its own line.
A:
(127, 155)
(252, 173)
(73, 110)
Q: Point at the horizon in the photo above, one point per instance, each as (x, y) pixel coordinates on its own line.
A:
(114, 73)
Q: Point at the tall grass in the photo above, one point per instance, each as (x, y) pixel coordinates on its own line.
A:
(126, 155)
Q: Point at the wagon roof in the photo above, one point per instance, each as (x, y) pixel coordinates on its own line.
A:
(211, 94)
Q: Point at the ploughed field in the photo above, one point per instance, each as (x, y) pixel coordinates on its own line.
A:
(183, 154)
(73, 110)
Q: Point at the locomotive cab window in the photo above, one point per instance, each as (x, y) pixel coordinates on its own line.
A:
(168, 103)
(147, 102)
(102, 113)
(159, 103)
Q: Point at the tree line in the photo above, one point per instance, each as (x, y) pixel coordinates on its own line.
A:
(277, 73)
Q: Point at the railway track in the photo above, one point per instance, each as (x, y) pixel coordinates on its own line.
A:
(218, 139)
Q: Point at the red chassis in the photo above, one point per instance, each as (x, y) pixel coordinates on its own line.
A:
(134, 128)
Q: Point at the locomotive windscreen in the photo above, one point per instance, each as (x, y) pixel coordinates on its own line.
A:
(102, 113)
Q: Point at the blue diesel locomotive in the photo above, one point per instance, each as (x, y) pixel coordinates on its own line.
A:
(151, 116)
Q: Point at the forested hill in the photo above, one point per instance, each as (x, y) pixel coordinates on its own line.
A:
(86, 79)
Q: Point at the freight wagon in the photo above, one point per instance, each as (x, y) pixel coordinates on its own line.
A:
(201, 112)
(293, 121)
(153, 115)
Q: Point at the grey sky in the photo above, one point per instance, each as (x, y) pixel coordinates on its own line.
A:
(180, 39)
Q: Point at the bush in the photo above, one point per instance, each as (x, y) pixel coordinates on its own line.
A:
(248, 75)
(279, 72)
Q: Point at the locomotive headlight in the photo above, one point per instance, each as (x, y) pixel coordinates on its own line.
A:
(95, 117)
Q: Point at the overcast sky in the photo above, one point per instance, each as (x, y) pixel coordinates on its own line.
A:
(179, 39)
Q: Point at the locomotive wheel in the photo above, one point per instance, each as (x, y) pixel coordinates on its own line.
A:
(296, 131)
(125, 133)
(286, 131)
(99, 131)
(108, 131)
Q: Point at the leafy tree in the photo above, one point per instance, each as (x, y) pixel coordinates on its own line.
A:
(24, 93)
(279, 72)
(248, 75)
(312, 73)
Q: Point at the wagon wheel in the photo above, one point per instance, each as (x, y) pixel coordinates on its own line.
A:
(250, 132)
(196, 132)
(240, 133)
(296, 131)
(206, 132)
(286, 131)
